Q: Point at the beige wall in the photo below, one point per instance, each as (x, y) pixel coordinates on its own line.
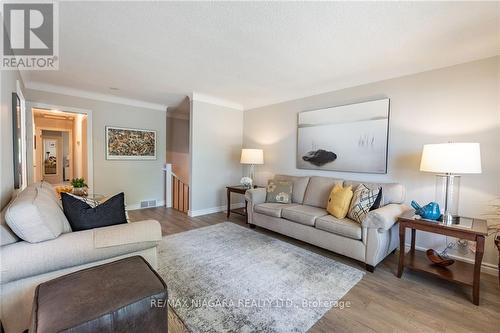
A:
(7, 87)
(459, 103)
(178, 139)
(140, 180)
(216, 138)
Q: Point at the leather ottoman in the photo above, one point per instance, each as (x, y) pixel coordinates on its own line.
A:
(122, 296)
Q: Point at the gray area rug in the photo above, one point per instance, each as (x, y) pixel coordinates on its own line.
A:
(226, 278)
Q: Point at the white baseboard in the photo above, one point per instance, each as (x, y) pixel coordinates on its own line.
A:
(138, 205)
(485, 267)
(200, 212)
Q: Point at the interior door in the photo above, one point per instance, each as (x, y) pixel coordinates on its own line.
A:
(52, 159)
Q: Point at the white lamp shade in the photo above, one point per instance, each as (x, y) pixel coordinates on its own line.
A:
(252, 156)
(457, 158)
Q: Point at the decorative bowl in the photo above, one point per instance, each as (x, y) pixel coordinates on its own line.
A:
(436, 259)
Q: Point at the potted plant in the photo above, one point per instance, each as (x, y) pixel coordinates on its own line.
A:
(79, 186)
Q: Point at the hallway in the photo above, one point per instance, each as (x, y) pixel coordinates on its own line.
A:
(59, 146)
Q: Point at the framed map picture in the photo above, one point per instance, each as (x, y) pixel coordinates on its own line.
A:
(130, 144)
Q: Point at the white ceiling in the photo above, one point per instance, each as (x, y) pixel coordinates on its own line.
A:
(258, 53)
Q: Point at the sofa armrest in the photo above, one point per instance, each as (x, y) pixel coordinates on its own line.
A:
(384, 217)
(23, 259)
(256, 196)
(135, 232)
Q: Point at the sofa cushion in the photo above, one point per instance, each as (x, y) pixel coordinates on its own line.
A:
(299, 186)
(279, 191)
(392, 193)
(271, 209)
(303, 214)
(344, 227)
(318, 191)
(35, 217)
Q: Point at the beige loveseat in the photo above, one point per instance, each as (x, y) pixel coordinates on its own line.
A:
(306, 218)
(24, 264)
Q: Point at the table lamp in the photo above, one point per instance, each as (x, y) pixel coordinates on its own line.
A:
(450, 160)
(252, 157)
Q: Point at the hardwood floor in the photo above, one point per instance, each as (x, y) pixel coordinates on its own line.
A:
(380, 302)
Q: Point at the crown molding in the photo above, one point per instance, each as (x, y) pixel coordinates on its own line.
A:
(215, 100)
(93, 95)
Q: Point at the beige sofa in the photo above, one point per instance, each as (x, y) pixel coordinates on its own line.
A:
(24, 264)
(306, 218)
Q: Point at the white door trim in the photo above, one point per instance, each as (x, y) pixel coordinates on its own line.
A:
(24, 137)
(90, 156)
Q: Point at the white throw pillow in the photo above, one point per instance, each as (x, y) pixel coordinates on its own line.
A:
(35, 217)
(7, 236)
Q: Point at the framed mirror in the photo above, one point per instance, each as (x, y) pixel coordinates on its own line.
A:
(17, 141)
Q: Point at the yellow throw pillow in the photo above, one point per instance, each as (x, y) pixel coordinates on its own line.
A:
(339, 201)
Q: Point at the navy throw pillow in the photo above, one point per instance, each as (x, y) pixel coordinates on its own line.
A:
(82, 216)
(376, 204)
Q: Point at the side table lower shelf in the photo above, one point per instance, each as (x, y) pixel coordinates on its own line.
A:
(463, 273)
(460, 272)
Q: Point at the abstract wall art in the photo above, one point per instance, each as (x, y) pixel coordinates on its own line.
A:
(350, 138)
(130, 144)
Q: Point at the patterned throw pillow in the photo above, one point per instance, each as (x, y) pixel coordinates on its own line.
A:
(279, 191)
(362, 200)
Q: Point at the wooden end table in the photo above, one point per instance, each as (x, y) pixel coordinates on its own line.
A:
(240, 189)
(460, 272)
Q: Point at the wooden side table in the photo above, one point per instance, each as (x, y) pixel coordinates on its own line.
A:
(240, 189)
(460, 272)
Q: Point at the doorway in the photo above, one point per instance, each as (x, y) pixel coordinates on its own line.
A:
(60, 146)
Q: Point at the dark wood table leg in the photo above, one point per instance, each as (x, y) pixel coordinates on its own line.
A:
(477, 269)
(413, 237)
(497, 243)
(402, 230)
(228, 203)
(246, 211)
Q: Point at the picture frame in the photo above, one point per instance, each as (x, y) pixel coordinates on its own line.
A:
(123, 143)
(17, 141)
(345, 138)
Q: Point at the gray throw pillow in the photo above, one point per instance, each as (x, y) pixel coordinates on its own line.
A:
(279, 191)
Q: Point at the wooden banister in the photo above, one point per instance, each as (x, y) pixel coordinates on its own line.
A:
(180, 194)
